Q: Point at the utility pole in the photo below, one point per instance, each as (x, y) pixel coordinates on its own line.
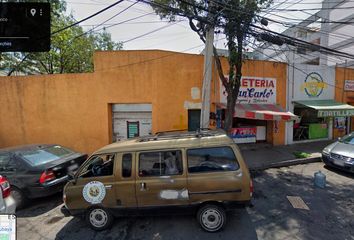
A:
(208, 58)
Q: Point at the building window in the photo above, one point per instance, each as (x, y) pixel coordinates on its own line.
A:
(164, 163)
(133, 129)
(98, 166)
(215, 159)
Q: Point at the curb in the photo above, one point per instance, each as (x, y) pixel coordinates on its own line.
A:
(286, 163)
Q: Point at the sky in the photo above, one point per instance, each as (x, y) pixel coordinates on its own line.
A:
(166, 36)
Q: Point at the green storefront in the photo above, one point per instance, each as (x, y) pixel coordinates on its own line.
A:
(316, 117)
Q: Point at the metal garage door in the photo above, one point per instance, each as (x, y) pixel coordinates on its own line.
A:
(131, 120)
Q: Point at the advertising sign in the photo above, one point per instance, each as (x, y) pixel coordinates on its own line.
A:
(336, 113)
(244, 135)
(349, 85)
(309, 82)
(339, 122)
(254, 90)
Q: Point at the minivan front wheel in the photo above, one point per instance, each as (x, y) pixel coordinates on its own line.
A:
(99, 218)
(211, 217)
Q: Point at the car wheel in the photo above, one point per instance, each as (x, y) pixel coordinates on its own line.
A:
(99, 218)
(19, 197)
(211, 217)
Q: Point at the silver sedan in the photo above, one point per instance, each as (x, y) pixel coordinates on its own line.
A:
(340, 154)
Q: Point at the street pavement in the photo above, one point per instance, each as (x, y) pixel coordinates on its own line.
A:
(330, 215)
(263, 156)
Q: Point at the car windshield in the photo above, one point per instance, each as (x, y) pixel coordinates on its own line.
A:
(349, 139)
(41, 156)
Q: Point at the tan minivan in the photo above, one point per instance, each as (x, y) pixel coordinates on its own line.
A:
(192, 172)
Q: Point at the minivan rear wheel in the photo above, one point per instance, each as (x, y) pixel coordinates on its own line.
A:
(99, 218)
(211, 217)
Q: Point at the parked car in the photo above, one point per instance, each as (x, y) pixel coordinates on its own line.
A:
(7, 202)
(37, 170)
(340, 154)
(202, 173)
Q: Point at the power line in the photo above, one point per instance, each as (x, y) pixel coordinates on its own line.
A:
(125, 21)
(272, 8)
(150, 32)
(304, 43)
(142, 22)
(293, 65)
(309, 9)
(115, 15)
(87, 18)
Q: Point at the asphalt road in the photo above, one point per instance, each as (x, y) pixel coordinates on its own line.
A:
(330, 215)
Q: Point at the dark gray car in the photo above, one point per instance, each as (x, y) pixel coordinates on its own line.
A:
(340, 154)
(37, 170)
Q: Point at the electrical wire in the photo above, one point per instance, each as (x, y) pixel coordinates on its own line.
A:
(302, 71)
(324, 49)
(150, 32)
(87, 18)
(115, 15)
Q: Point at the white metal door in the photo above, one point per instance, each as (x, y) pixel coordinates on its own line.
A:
(122, 114)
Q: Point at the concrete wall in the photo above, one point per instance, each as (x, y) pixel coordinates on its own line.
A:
(75, 109)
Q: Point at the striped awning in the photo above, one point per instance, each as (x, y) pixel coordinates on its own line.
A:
(261, 112)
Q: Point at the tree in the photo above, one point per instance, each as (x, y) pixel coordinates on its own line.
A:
(71, 50)
(231, 17)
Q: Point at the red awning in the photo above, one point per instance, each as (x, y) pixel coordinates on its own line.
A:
(261, 112)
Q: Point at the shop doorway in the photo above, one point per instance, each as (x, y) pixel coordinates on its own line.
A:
(193, 119)
(309, 126)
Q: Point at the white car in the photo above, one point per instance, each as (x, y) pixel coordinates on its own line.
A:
(7, 203)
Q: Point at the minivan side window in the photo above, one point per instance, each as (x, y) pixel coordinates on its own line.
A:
(98, 166)
(212, 159)
(161, 163)
(127, 165)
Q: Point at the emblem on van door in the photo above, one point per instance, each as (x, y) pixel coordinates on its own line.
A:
(94, 192)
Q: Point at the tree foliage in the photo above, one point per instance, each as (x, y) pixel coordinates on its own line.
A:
(233, 18)
(71, 50)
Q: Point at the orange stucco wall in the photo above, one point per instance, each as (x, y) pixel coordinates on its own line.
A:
(343, 74)
(74, 109)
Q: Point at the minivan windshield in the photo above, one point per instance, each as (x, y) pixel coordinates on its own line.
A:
(41, 156)
(349, 139)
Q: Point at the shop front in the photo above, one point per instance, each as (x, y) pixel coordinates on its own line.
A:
(315, 117)
(311, 98)
(257, 114)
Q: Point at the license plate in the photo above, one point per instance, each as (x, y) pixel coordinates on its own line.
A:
(339, 162)
(73, 167)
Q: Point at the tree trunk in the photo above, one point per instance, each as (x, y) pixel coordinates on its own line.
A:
(230, 110)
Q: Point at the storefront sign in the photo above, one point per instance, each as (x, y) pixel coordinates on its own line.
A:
(349, 85)
(308, 82)
(335, 113)
(244, 135)
(313, 85)
(254, 90)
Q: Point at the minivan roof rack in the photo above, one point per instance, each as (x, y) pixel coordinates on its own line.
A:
(167, 135)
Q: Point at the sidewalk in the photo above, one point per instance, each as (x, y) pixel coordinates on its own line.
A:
(263, 156)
